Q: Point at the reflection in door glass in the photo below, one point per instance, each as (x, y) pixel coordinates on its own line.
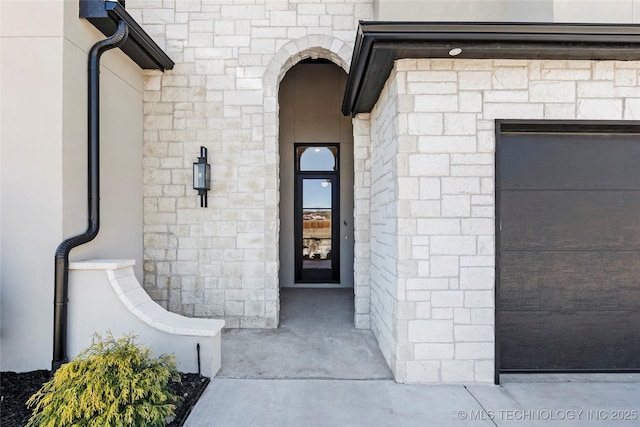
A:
(316, 223)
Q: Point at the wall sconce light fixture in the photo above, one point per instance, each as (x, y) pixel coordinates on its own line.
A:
(202, 177)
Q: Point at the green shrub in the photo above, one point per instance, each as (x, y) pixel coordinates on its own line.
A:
(111, 383)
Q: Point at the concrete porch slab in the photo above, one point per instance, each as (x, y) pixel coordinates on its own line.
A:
(316, 339)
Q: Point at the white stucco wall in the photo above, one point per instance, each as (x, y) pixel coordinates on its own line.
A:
(43, 154)
(441, 306)
(602, 11)
(464, 10)
(31, 179)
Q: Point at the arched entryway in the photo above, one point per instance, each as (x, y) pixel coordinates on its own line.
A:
(316, 178)
(336, 54)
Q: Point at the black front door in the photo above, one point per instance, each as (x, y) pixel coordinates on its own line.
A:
(317, 195)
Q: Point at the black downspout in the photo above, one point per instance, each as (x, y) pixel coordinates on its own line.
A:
(62, 253)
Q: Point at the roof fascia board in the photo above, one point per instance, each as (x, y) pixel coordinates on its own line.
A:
(478, 41)
(140, 47)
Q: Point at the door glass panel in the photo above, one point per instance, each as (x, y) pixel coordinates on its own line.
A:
(316, 223)
(317, 158)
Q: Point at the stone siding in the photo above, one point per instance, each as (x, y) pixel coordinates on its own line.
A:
(230, 56)
(433, 260)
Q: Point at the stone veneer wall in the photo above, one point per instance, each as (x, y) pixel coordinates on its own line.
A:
(230, 56)
(362, 220)
(386, 260)
(432, 181)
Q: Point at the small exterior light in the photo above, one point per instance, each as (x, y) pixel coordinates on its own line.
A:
(202, 176)
(455, 51)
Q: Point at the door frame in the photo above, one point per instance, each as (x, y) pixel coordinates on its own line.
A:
(601, 127)
(299, 176)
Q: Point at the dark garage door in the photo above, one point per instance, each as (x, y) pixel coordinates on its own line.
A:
(568, 247)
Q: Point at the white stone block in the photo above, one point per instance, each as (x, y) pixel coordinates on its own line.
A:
(429, 165)
(513, 111)
(431, 76)
(438, 226)
(482, 316)
(457, 371)
(474, 333)
(477, 278)
(443, 266)
(432, 88)
(560, 111)
(423, 310)
(430, 187)
(461, 316)
(484, 370)
(632, 109)
(442, 313)
(474, 350)
(596, 89)
(470, 102)
(425, 124)
(430, 331)
(447, 299)
(424, 208)
(472, 159)
(423, 371)
(472, 170)
(479, 299)
(243, 97)
(600, 109)
(453, 245)
(565, 74)
(460, 124)
(477, 261)
(550, 91)
(250, 240)
(474, 80)
(408, 188)
(478, 226)
(447, 144)
(456, 206)
(506, 96)
(453, 185)
(510, 78)
(626, 77)
(603, 70)
(433, 351)
(436, 103)
(237, 12)
(157, 16)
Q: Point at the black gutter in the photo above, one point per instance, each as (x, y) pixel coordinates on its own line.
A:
(379, 44)
(140, 47)
(62, 253)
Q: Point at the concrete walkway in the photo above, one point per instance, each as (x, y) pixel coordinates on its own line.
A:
(384, 403)
(316, 369)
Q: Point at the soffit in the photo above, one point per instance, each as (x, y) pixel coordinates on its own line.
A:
(379, 44)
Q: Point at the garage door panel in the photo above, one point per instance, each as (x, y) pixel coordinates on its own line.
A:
(573, 220)
(570, 162)
(549, 340)
(568, 246)
(552, 280)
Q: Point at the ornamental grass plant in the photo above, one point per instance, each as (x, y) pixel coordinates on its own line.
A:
(111, 383)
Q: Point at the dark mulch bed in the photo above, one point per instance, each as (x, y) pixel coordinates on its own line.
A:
(15, 390)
